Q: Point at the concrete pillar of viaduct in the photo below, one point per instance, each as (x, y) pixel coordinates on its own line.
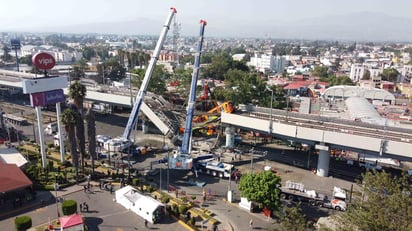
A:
(323, 160)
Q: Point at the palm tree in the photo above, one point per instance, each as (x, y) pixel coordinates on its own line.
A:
(69, 119)
(81, 138)
(91, 135)
(77, 92)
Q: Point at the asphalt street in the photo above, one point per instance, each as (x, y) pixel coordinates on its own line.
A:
(104, 214)
(107, 215)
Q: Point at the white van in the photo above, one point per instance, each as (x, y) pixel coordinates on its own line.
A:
(51, 129)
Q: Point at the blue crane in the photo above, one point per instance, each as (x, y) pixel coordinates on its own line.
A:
(142, 91)
(181, 159)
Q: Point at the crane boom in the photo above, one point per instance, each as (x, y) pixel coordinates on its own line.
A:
(181, 158)
(192, 96)
(142, 91)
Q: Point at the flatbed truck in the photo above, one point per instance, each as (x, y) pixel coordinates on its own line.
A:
(297, 192)
(216, 168)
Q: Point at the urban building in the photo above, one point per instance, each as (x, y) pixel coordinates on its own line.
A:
(267, 63)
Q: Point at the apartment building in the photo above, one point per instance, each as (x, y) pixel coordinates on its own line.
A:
(267, 63)
(406, 74)
(61, 56)
(358, 71)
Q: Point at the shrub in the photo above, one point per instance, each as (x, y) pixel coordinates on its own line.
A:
(22, 223)
(165, 199)
(50, 164)
(184, 199)
(183, 209)
(135, 181)
(149, 188)
(175, 209)
(192, 221)
(69, 207)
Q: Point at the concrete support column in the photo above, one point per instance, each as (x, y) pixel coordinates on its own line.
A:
(323, 160)
(41, 136)
(230, 137)
(60, 132)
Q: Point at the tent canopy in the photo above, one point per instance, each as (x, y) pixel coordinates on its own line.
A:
(72, 220)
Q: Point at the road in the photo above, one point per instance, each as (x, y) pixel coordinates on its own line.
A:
(104, 214)
(113, 125)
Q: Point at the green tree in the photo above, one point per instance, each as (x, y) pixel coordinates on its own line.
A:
(320, 71)
(88, 53)
(390, 74)
(91, 135)
(157, 82)
(77, 92)
(115, 71)
(6, 53)
(184, 77)
(22, 223)
(76, 73)
(102, 52)
(293, 219)
(219, 66)
(26, 60)
(385, 204)
(338, 80)
(262, 188)
(69, 119)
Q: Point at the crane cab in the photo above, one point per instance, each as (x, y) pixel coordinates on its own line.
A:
(180, 161)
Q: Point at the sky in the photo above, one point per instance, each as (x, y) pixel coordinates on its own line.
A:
(220, 14)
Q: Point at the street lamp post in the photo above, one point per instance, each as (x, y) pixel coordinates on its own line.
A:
(251, 159)
(271, 105)
(166, 148)
(56, 187)
(160, 179)
(287, 105)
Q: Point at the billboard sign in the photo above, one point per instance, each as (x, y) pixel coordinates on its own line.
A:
(43, 60)
(46, 98)
(44, 84)
(37, 99)
(55, 96)
(15, 44)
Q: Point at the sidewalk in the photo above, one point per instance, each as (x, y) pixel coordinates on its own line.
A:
(42, 198)
(230, 215)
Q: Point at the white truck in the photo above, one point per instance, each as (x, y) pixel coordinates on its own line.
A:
(297, 192)
(215, 168)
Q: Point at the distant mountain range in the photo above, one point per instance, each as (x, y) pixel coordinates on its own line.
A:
(364, 26)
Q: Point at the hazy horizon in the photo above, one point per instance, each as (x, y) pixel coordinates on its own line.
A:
(317, 19)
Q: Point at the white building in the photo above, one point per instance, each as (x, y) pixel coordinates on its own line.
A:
(61, 56)
(267, 63)
(357, 72)
(406, 74)
(238, 57)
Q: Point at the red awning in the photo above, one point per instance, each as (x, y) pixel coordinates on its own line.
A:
(12, 178)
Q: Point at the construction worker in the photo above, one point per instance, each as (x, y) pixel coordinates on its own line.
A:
(204, 195)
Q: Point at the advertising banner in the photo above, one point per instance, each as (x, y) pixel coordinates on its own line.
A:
(46, 98)
(55, 96)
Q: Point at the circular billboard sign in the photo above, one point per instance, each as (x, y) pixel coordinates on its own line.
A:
(43, 60)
